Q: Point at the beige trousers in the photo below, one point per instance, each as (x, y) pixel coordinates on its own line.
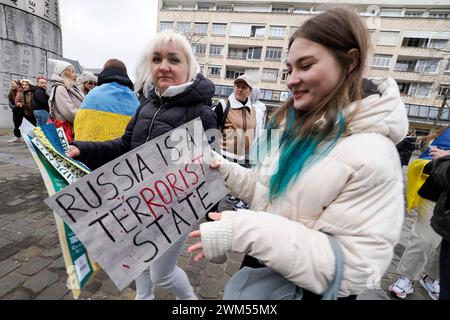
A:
(421, 254)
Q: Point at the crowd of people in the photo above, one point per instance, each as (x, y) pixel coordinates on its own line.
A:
(327, 192)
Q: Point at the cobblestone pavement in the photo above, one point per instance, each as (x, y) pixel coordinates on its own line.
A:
(31, 263)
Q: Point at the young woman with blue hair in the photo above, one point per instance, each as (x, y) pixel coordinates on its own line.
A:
(334, 171)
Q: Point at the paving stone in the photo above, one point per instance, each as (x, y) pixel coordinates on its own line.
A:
(53, 253)
(10, 282)
(32, 196)
(15, 202)
(194, 275)
(209, 287)
(34, 266)
(214, 270)
(55, 292)
(58, 264)
(27, 254)
(49, 242)
(93, 286)
(41, 280)
(18, 294)
(232, 267)
(182, 262)
(127, 294)
(18, 235)
(17, 225)
(6, 266)
(4, 242)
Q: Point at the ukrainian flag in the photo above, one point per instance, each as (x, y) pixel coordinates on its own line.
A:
(105, 113)
(416, 177)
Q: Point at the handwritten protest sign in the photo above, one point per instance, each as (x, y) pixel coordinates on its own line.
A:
(128, 212)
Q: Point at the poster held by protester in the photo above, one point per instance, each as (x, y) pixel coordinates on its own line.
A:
(79, 266)
(128, 212)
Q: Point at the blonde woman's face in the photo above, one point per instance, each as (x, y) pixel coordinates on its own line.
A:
(169, 67)
(313, 73)
(70, 73)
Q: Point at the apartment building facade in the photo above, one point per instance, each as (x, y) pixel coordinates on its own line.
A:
(410, 42)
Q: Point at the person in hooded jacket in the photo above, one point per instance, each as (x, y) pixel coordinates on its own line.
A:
(107, 109)
(65, 97)
(40, 101)
(333, 171)
(176, 92)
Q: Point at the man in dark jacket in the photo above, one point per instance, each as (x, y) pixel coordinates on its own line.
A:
(40, 101)
(440, 221)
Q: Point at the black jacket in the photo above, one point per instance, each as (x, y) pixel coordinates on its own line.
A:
(154, 117)
(440, 221)
(405, 149)
(40, 99)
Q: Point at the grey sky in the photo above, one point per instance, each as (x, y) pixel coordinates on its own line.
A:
(97, 30)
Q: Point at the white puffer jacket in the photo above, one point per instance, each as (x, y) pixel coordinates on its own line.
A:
(354, 193)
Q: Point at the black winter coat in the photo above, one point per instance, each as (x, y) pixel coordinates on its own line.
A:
(440, 221)
(154, 117)
(40, 99)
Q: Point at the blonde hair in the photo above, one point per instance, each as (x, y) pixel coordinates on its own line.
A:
(144, 78)
(68, 82)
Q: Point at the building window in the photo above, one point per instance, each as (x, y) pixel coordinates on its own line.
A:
(439, 15)
(277, 31)
(170, 6)
(405, 65)
(381, 61)
(214, 71)
(183, 27)
(403, 87)
(447, 68)
(415, 14)
(189, 6)
(165, 25)
(303, 10)
(280, 10)
(199, 48)
(427, 65)
(253, 73)
(254, 53)
(258, 31)
(247, 30)
(225, 8)
(415, 42)
(270, 75)
(420, 89)
(237, 53)
(216, 50)
(273, 53)
(205, 6)
(266, 94)
(387, 12)
(233, 74)
(201, 28)
(417, 65)
(388, 38)
(284, 75)
(219, 29)
(438, 43)
(444, 89)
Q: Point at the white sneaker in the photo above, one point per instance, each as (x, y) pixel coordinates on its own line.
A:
(401, 288)
(15, 139)
(432, 286)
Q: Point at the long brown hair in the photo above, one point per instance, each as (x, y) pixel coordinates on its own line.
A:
(339, 30)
